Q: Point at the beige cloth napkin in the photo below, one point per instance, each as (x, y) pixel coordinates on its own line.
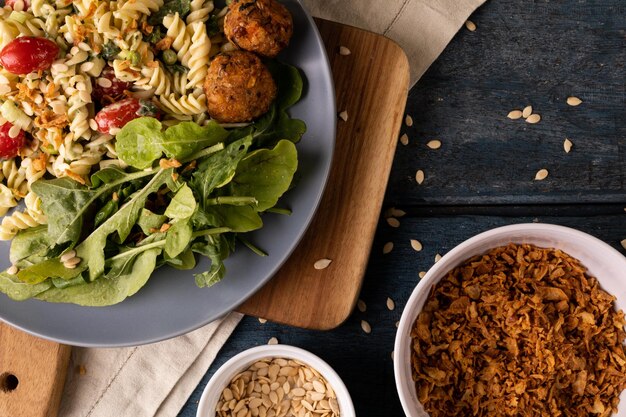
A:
(157, 379)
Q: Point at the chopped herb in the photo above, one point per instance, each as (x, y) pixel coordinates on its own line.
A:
(182, 7)
(110, 51)
(155, 36)
(213, 26)
(176, 68)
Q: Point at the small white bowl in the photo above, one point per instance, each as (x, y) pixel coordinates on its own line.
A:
(601, 260)
(240, 362)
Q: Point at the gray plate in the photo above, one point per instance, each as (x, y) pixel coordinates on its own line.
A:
(171, 304)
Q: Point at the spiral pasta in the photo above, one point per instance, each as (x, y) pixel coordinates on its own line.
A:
(17, 221)
(187, 104)
(200, 10)
(198, 55)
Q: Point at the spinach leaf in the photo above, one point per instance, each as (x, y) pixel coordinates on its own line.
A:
(265, 174)
(18, 290)
(218, 169)
(283, 127)
(139, 142)
(110, 51)
(105, 292)
(29, 246)
(182, 7)
(182, 205)
(41, 271)
(186, 138)
(178, 237)
(63, 283)
(91, 250)
(289, 82)
(149, 221)
(64, 201)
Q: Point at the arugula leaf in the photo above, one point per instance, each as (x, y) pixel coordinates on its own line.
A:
(18, 290)
(64, 201)
(239, 219)
(218, 169)
(105, 212)
(110, 51)
(182, 7)
(92, 248)
(265, 174)
(107, 176)
(182, 205)
(138, 143)
(105, 292)
(185, 261)
(186, 138)
(283, 127)
(178, 237)
(216, 248)
(149, 221)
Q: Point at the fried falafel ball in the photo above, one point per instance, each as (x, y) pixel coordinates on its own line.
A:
(261, 26)
(238, 87)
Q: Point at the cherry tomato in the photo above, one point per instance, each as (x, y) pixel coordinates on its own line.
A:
(27, 54)
(116, 89)
(11, 4)
(9, 147)
(116, 115)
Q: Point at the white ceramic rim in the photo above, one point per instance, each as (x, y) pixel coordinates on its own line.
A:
(239, 362)
(402, 377)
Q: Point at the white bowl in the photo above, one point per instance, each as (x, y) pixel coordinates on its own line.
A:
(240, 362)
(601, 260)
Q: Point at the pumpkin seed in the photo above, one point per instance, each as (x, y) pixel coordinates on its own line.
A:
(574, 101)
(514, 114)
(528, 110)
(541, 175)
(471, 26)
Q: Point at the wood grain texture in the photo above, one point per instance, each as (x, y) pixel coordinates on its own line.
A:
(522, 53)
(373, 97)
(39, 366)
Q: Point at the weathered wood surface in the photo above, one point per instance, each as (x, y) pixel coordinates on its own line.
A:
(521, 53)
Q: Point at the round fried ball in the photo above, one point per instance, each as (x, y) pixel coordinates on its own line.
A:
(238, 87)
(261, 26)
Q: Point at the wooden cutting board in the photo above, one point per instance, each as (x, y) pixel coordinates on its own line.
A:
(371, 86)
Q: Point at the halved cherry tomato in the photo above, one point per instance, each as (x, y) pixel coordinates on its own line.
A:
(10, 147)
(111, 92)
(116, 115)
(11, 4)
(27, 54)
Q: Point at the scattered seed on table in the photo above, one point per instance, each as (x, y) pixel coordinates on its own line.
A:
(623, 242)
(393, 222)
(272, 341)
(322, 263)
(361, 306)
(262, 321)
(390, 304)
(416, 244)
(422, 274)
(404, 139)
(567, 145)
(471, 26)
(514, 114)
(408, 120)
(388, 247)
(533, 118)
(419, 176)
(528, 110)
(434, 144)
(344, 51)
(541, 175)
(394, 212)
(344, 115)
(397, 323)
(574, 101)
(366, 327)
(81, 370)
(437, 258)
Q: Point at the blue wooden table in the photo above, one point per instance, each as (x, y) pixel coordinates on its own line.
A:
(523, 53)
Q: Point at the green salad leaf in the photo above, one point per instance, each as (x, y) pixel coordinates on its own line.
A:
(138, 143)
(182, 7)
(127, 223)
